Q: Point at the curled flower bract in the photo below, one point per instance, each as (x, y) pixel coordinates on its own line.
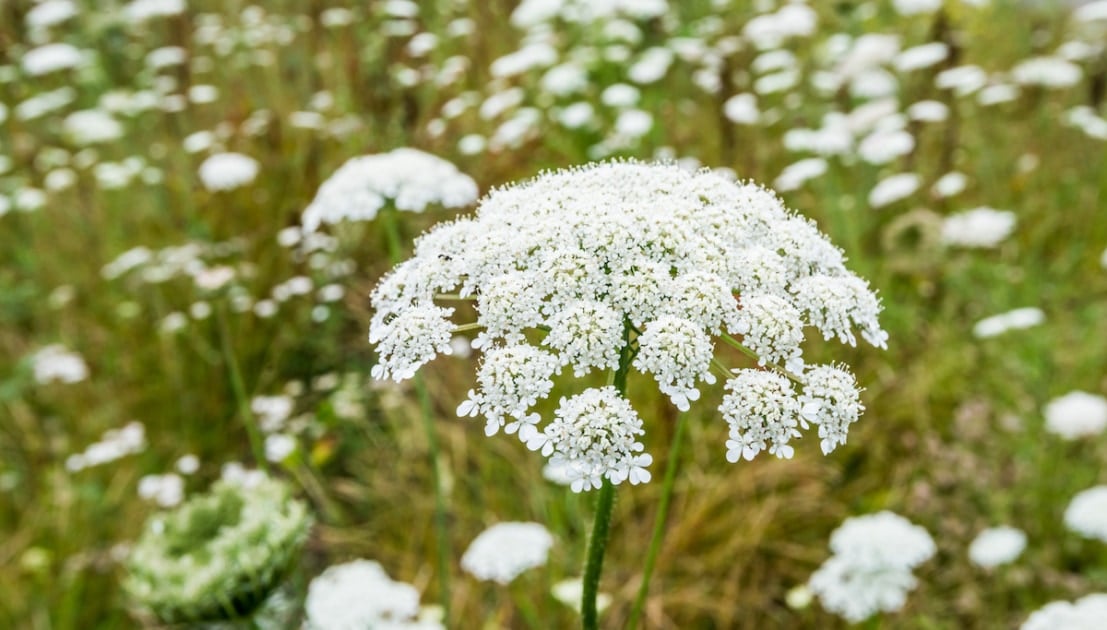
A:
(219, 555)
(644, 266)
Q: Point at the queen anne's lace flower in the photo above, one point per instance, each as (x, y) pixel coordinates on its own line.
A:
(503, 551)
(1086, 613)
(870, 570)
(677, 352)
(1087, 513)
(410, 178)
(831, 400)
(413, 338)
(512, 378)
(360, 594)
(763, 413)
(595, 436)
(997, 545)
(644, 263)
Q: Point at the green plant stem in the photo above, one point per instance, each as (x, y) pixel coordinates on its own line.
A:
(659, 523)
(597, 545)
(442, 539)
(605, 504)
(238, 386)
(738, 345)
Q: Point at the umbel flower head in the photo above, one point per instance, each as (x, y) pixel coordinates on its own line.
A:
(409, 178)
(871, 569)
(219, 555)
(633, 265)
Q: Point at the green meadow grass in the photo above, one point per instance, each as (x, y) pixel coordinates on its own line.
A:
(952, 437)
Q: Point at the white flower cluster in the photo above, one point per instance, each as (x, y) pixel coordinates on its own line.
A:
(359, 594)
(113, 445)
(409, 178)
(503, 551)
(1086, 613)
(56, 363)
(997, 545)
(594, 436)
(871, 569)
(1087, 513)
(228, 171)
(1017, 319)
(647, 262)
(1076, 414)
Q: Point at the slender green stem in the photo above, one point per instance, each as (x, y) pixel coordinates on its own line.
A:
(597, 545)
(454, 296)
(238, 386)
(659, 523)
(605, 504)
(723, 370)
(467, 327)
(734, 343)
(442, 540)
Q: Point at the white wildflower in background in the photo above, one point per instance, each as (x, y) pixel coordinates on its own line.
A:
(1047, 72)
(505, 550)
(978, 228)
(643, 260)
(113, 444)
(50, 13)
(166, 490)
(227, 171)
(916, 7)
(219, 555)
(1087, 513)
(871, 569)
(1017, 319)
(359, 594)
(568, 592)
(1076, 414)
(408, 178)
(57, 364)
(51, 58)
(894, 188)
(1086, 613)
(995, 546)
(271, 411)
(92, 126)
(142, 10)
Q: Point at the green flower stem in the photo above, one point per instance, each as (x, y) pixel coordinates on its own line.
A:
(734, 343)
(238, 386)
(597, 545)
(659, 523)
(442, 538)
(605, 505)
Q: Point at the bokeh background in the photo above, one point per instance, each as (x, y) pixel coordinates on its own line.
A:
(181, 302)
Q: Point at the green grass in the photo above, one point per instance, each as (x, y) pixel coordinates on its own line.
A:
(952, 438)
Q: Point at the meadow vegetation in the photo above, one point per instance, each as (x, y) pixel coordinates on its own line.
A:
(165, 323)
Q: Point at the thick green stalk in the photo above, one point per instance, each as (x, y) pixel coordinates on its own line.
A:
(659, 523)
(605, 504)
(442, 539)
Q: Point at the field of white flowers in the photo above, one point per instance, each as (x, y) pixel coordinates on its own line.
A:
(553, 313)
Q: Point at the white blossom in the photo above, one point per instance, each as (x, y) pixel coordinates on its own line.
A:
(870, 569)
(594, 435)
(997, 545)
(1076, 414)
(978, 228)
(505, 550)
(1086, 613)
(408, 178)
(646, 263)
